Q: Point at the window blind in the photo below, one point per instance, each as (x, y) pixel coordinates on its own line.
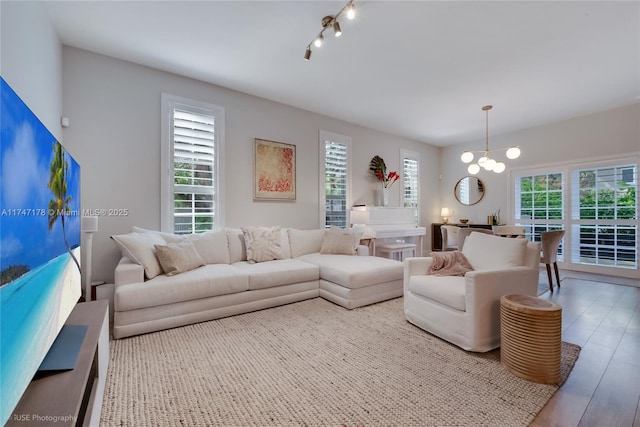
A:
(410, 184)
(336, 175)
(194, 155)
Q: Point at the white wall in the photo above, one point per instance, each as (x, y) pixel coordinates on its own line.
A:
(31, 60)
(597, 136)
(114, 108)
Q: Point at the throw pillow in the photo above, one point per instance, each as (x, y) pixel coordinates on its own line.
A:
(177, 258)
(167, 237)
(340, 241)
(211, 245)
(262, 243)
(139, 248)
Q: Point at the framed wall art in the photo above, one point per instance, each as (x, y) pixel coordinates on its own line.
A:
(274, 170)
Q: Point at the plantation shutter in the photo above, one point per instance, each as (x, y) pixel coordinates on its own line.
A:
(335, 184)
(410, 184)
(194, 160)
(604, 213)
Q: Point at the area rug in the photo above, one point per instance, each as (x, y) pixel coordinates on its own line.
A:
(314, 363)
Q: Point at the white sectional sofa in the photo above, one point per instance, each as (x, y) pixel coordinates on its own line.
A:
(229, 283)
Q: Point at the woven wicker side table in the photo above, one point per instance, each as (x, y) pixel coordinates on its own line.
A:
(531, 338)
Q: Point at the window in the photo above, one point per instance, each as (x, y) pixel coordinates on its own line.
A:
(597, 205)
(192, 147)
(410, 177)
(540, 204)
(334, 167)
(605, 208)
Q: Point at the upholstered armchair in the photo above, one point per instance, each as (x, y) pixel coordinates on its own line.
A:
(466, 310)
(449, 237)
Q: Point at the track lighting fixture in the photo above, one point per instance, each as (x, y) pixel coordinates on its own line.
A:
(331, 21)
(485, 161)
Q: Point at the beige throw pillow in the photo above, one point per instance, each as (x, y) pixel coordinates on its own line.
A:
(139, 248)
(177, 258)
(340, 241)
(262, 243)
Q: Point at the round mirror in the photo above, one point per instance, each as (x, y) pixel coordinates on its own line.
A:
(469, 190)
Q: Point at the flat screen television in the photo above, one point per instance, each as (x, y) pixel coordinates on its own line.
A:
(39, 244)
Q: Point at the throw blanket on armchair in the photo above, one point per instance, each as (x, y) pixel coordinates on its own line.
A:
(452, 263)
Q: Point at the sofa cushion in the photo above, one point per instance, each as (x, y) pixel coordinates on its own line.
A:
(304, 242)
(212, 246)
(447, 290)
(176, 258)
(262, 243)
(237, 247)
(278, 272)
(139, 248)
(486, 252)
(203, 282)
(355, 271)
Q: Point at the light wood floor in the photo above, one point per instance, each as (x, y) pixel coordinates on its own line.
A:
(602, 315)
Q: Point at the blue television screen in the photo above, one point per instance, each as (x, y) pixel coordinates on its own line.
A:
(39, 244)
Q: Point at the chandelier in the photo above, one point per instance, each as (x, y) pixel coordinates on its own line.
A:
(485, 161)
(331, 22)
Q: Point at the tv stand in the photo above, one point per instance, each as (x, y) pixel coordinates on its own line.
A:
(74, 397)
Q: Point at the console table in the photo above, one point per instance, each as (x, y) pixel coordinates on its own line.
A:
(72, 398)
(436, 234)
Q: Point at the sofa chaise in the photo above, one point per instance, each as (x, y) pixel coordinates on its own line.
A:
(227, 279)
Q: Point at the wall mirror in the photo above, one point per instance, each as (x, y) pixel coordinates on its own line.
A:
(469, 190)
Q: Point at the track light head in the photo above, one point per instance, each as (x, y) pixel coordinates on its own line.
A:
(336, 29)
(318, 41)
(351, 10)
(307, 53)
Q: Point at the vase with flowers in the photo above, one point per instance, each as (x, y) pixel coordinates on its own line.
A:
(378, 167)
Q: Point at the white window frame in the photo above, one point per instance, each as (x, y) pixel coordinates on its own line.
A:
(168, 104)
(568, 223)
(324, 136)
(411, 155)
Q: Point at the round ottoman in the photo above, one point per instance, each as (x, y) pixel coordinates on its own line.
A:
(531, 338)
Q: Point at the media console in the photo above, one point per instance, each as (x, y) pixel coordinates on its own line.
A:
(74, 397)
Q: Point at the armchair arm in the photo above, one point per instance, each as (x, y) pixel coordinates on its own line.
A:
(415, 266)
(128, 271)
(483, 291)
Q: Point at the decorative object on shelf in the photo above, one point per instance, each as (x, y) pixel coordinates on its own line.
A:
(379, 169)
(331, 22)
(444, 213)
(464, 220)
(485, 161)
(469, 190)
(274, 170)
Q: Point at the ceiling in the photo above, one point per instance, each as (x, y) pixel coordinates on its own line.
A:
(418, 69)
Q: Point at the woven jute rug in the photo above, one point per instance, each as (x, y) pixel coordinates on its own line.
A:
(314, 363)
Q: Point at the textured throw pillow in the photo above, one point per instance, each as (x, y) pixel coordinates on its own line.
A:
(340, 241)
(139, 248)
(177, 258)
(263, 243)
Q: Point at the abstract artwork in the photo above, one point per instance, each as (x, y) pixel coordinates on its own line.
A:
(274, 170)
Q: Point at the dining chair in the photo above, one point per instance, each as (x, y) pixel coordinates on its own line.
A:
(550, 242)
(449, 237)
(510, 231)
